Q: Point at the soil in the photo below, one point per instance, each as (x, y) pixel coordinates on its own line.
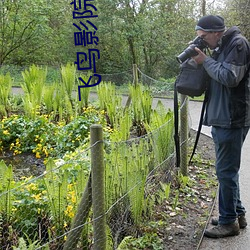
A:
(186, 223)
(25, 164)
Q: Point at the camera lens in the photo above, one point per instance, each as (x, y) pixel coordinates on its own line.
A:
(187, 53)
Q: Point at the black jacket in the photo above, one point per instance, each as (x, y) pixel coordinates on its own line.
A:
(229, 90)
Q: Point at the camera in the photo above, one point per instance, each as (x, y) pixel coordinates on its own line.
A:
(190, 51)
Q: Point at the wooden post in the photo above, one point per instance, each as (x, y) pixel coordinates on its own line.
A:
(135, 81)
(184, 135)
(98, 195)
(135, 74)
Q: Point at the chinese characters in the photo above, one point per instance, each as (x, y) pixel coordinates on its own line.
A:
(85, 35)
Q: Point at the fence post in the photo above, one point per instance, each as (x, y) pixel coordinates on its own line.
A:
(98, 195)
(184, 135)
(135, 78)
(135, 74)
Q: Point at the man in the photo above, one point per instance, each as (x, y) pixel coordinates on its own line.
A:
(228, 112)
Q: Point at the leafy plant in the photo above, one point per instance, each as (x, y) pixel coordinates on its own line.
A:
(164, 191)
(147, 241)
(68, 74)
(161, 126)
(110, 102)
(48, 98)
(30, 208)
(33, 86)
(141, 104)
(6, 184)
(84, 93)
(5, 89)
(22, 244)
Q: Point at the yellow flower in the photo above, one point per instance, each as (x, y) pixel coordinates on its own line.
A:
(14, 209)
(31, 187)
(37, 196)
(45, 151)
(38, 155)
(6, 132)
(73, 199)
(69, 211)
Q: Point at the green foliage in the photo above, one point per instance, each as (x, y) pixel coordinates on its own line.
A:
(6, 184)
(110, 102)
(141, 103)
(161, 126)
(127, 160)
(56, 187)
(147, 241)
(48, 98)
(5, 89)
(68, 73)
(146, 33)
(126, 172)
(43, 137)
(164, 192)
(33, 85)
(30, 206)
(30, 245)
(84, 93)
(122, 127)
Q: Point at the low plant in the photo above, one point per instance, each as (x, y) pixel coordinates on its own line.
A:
(147, 241)
(45, 138)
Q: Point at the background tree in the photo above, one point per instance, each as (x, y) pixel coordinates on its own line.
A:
(237, 13)
(149, 33)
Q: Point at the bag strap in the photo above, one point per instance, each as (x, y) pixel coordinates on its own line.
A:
(199, 127)
(176, 126)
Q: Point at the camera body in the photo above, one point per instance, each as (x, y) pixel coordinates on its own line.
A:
(190, 51)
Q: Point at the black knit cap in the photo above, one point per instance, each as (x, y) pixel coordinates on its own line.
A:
(210, 23)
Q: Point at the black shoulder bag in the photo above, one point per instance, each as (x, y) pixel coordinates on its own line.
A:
(191, 81)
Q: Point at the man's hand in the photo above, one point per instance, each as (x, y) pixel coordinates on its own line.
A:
(200, 58)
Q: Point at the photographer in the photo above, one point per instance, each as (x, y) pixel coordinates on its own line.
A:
(228, 112)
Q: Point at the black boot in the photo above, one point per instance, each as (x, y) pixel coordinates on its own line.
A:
(241, 219)
(221, 231)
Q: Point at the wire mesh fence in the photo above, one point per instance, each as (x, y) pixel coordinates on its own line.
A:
(42, 210)
(55, 210)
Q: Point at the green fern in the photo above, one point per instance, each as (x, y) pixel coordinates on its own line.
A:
(6, 184)
(56, 185)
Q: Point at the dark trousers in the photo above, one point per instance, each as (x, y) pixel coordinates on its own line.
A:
(228, 145)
